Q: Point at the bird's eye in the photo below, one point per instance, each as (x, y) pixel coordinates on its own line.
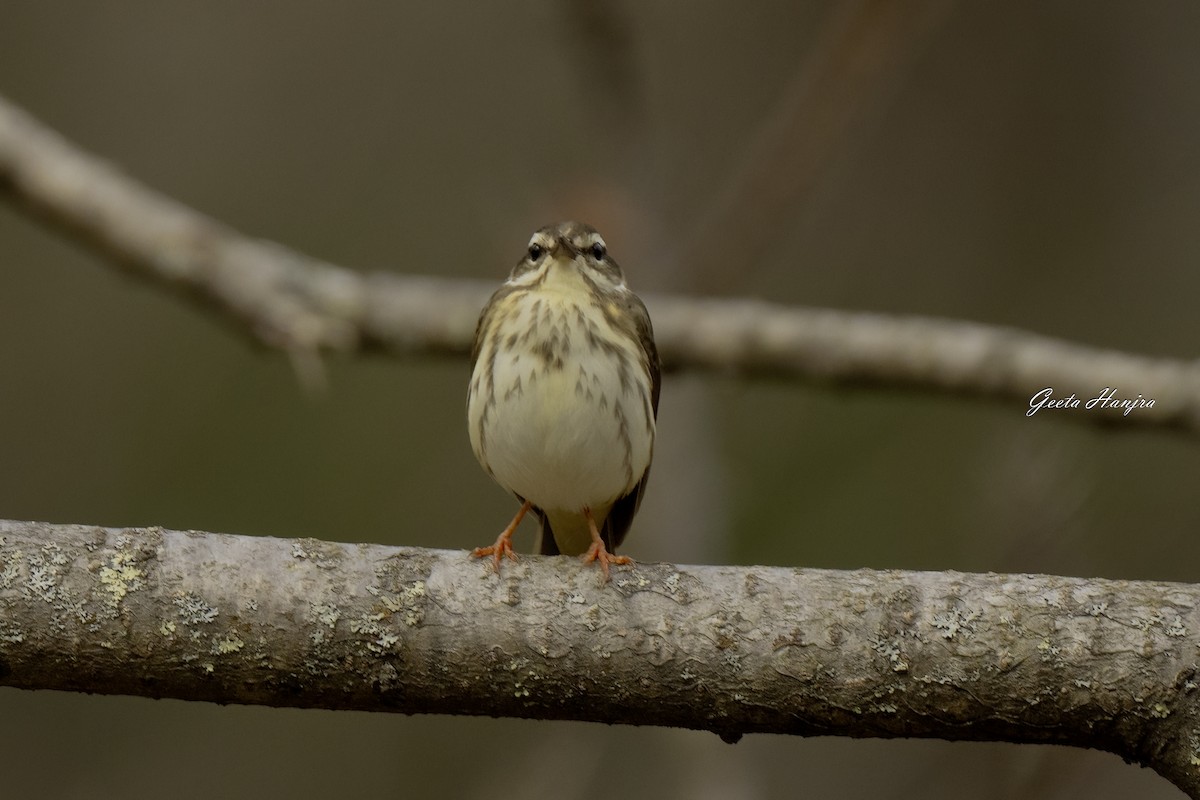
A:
(599, 251)
(535, 252)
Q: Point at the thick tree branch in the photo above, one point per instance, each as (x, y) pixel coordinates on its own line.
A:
(306, 306)
(201, 616)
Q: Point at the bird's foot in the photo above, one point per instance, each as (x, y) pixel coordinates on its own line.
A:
(503, 546)
(598, 552)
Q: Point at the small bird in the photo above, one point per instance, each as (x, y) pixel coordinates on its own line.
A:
(564, 396)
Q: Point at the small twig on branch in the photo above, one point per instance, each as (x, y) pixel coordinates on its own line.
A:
(305, 306)
(305, 623)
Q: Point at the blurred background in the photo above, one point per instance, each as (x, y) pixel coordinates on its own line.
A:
(1030, 164)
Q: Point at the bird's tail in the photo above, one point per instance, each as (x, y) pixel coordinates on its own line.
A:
(572, 536)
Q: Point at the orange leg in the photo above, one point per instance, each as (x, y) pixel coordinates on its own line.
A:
(503, 545)
(598, 552)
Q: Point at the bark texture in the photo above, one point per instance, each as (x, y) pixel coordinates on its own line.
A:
(306, 623)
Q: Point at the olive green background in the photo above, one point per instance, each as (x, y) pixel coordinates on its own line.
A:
(1034, 164)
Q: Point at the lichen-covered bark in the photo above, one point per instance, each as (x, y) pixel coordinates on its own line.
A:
(204, 616)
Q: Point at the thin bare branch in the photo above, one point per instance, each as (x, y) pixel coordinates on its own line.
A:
(304, 306)
(863, 51)
(305, 623)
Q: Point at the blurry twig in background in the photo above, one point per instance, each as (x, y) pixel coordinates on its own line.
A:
(606, 58)
(861, 54)
(305, 306)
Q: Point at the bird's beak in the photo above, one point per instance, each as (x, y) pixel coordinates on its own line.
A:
(568, 250)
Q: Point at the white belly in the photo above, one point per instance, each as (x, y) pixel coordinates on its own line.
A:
(563, 432)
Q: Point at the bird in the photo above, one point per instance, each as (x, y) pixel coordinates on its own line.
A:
(562, 403)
